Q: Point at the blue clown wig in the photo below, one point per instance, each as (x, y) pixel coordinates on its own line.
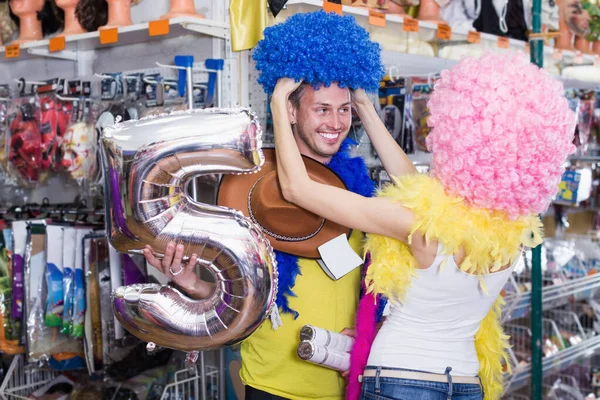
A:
(319, 48)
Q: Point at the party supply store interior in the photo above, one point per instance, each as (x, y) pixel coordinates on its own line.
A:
(70, 69)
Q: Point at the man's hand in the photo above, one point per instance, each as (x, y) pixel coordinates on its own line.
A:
(360, 98)
(352, 333)
(284, 88)
(182, 274)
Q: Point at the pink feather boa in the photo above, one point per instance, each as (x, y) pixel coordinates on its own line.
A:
(366, 329)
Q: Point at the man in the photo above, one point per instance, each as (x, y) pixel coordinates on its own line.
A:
(321, 115)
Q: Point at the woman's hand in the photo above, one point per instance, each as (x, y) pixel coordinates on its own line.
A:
(180, 273)
(284, 88)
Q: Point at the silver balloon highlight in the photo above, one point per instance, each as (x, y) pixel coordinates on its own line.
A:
(147, 167)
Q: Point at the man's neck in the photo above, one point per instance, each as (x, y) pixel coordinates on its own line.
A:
(307, 151)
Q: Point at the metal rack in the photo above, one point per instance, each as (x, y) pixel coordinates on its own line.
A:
(190, 383)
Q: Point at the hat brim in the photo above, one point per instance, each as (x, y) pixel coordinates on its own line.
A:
(233, 193)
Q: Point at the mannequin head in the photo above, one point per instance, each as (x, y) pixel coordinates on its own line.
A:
(23, 7)
(576, 17)
(50, 16)
(7, 25)
(66, 3)
(93, 14)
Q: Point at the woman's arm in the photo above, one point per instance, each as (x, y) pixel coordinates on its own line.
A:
(371, 215)
(394, 160)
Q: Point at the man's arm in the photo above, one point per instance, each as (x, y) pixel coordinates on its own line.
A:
(394, 160)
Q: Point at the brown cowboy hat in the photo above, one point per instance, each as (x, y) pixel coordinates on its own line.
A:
(289, 228)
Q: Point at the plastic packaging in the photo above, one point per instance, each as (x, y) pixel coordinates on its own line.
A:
(79, 300)
(54, 302)
(25, 145)
(69, 249)
(19, 242)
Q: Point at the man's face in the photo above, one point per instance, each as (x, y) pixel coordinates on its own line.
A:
(323, 120)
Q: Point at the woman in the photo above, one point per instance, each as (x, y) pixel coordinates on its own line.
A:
(443, 246)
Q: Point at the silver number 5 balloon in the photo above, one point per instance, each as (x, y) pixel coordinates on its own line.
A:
(147, 166)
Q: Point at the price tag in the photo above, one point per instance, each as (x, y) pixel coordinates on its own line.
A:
(444, 32)
(597, 61)
(159, 27)
(578, 58)
(332, 7)
(56, 44)
(108, 36)
(474, 37)
(410, 25)
(557, 54)
(12, 51)
(377, 19)
(503, 42)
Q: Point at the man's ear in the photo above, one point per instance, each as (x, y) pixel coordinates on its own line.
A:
(292, 112)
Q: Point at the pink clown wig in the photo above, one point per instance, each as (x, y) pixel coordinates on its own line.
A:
(501, 129)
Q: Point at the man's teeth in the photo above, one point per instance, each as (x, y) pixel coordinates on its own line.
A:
(329, 135)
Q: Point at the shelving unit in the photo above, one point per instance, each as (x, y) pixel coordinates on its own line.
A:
(128, 35)
(427, 33)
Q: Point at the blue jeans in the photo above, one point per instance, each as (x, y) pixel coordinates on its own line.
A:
(379, 388)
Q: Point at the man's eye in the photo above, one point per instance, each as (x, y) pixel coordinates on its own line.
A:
(322, 110)
(345, 109)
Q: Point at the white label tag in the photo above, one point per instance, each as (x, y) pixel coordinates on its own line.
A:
(338, 258)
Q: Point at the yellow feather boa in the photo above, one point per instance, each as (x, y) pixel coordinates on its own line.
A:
(489, 238)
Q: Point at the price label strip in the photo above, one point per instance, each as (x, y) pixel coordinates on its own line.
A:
(56, 44)
(474, 37)
(444, 32)
(12, 51)
(377, 19)
(410, 25)
(108, 36)
(332, 7)
(503, 42)
(159, 28)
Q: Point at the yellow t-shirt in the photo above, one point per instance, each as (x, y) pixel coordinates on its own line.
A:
(270, 360)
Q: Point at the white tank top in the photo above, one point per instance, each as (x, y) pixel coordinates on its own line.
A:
(435, 326)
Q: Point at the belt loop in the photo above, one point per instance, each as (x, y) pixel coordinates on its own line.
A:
(447, 373)
(377, 383)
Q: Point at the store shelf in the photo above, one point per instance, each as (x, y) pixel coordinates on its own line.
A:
(558, 362)
(518, 305)
(427, 32)
(133, 34)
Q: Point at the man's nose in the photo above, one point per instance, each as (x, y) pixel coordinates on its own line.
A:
(335, 121)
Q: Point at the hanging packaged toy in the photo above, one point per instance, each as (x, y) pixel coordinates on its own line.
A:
(79, 143)
(69, 248)
(44, 343)
(25, 146)
(19, 243)
(9, 331)
(4, 103)
(54, 302)
(79, 303)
